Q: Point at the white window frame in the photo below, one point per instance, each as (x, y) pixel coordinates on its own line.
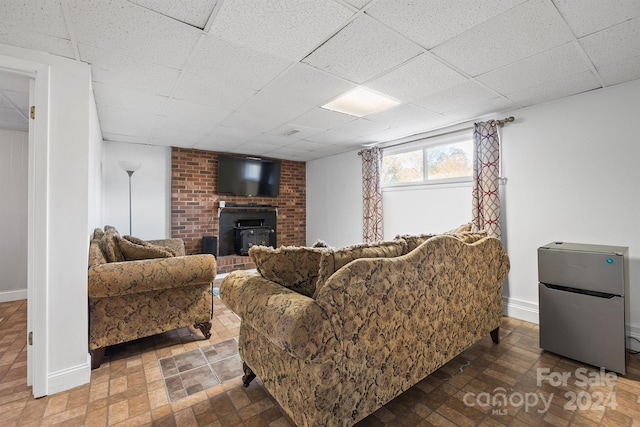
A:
(423, 144)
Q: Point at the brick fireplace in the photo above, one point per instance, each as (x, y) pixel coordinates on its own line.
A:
(195, 203)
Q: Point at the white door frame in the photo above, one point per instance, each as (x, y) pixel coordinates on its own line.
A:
(37, 221)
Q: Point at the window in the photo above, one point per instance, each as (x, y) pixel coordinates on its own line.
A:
(440, 159)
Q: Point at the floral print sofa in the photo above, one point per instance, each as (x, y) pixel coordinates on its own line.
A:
(335, 343)
(138, 289)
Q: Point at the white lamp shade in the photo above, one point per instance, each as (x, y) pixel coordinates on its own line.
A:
(129, 166)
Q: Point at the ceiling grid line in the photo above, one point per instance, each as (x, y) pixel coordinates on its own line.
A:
(70, 29)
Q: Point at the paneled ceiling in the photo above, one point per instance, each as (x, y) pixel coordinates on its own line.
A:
(249, 76)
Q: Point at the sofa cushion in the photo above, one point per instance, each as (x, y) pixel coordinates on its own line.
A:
(290, 266)
(109, 244)
(414, 241)
(95, 253)
(334, 259)
(470, 237)
(139, 249)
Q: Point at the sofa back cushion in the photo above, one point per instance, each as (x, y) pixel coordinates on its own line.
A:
(334, 259)
(95, 253)
(133, 249)
(109, 245)
(290, 266)
(470, 237)
(414, 241)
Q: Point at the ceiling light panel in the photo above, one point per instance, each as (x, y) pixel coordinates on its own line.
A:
(362, 50)
(518, 33)
(430, 23)
(284, 28)
(360, 102)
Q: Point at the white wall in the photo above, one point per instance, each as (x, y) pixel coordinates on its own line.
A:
(150, 190)
(334, 200)
(65, 128)
(14, 149)
(572, 175)
(95, 168)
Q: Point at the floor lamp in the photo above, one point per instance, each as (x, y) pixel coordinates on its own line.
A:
(129, 167)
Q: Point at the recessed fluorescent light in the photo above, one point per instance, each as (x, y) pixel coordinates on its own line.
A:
(360, 102)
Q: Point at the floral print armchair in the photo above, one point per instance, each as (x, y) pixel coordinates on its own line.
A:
(138, 289)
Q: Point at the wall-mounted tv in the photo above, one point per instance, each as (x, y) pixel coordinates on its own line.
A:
(248, 176)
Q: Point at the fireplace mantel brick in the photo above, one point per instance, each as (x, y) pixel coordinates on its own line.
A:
(194, 202)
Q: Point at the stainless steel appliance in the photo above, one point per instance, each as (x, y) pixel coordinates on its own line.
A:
(582, 302)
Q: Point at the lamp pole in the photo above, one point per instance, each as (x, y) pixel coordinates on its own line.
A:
(129, 168)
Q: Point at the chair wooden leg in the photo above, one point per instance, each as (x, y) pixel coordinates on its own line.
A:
(96, 357)
(205, 328)
(248, 375)
(495, 335)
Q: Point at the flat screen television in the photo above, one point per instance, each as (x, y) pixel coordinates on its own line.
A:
(248, 176)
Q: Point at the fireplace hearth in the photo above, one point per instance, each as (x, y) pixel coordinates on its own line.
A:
(244, 226)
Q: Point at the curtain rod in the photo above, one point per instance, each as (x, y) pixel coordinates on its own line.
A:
(500, 123)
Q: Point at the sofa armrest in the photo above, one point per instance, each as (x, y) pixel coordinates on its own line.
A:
(291, 321)
(128, 277)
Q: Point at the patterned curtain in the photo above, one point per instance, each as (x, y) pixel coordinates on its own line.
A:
(371, 195)
(485, 206)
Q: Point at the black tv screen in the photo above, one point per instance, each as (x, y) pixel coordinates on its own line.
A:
(248, 176)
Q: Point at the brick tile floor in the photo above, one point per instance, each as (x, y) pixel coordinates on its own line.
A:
(487, 385)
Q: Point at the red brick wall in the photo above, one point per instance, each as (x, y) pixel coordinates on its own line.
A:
(194, 201)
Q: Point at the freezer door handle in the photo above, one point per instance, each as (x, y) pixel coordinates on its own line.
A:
(580, 291)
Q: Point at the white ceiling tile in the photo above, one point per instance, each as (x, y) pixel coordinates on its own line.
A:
(194, 116)
(362, 50)
(42, 16)
(620, 72)
(358, 3)
(254, 148)
(466, 93)
(126, 122)
(322, 118)
(308, 145)
(228, 136)
(211, 91)
(118, 70)
(556, 89)
(254, 120)
(114, 137)
(231, 63)
(551, 65)
(613, 44)
(176, 130)
(302, 86)
(294, 133)
(126, 28)
(214, 145)
(348, 131)
(430, 23)
(285, 28)
(17, 36)
(420, 77)
(526, 30)
(408, 116)
(17, 99)
(475, 110)
(192, 12)
(128, 99)
(8, 124)
(590, 16)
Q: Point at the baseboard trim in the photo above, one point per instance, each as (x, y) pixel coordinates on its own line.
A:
(633, 331)
(9, 296)
(69, 378)
(519, 309)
